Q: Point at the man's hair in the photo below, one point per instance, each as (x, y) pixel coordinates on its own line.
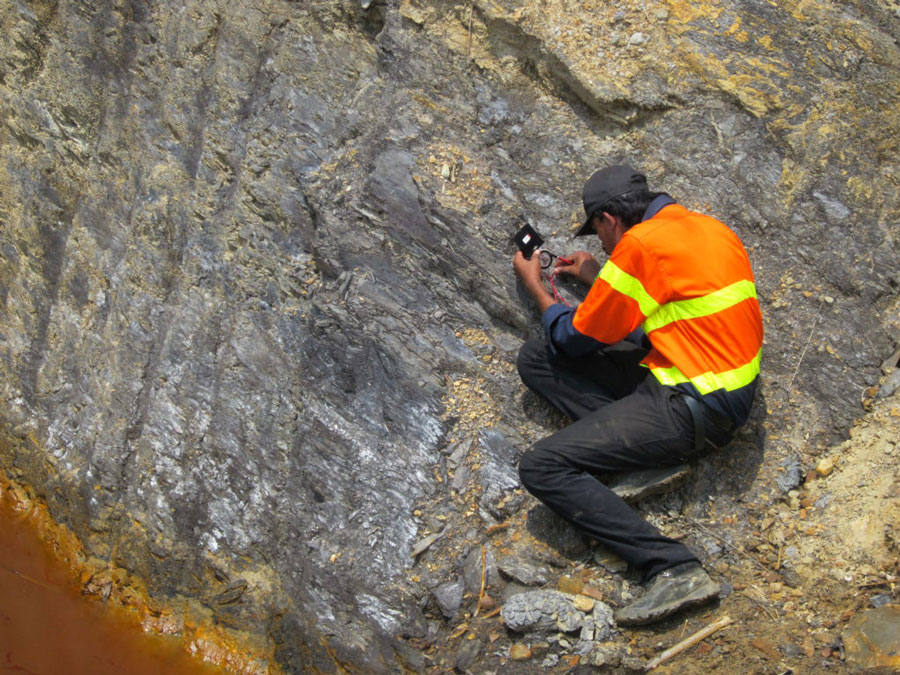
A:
(630, 207)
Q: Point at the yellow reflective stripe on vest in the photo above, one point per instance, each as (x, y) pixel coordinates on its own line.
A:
(704, 306)
(628, 285)
(708, 382)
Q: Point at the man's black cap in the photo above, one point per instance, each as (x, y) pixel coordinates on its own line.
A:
(606, 184)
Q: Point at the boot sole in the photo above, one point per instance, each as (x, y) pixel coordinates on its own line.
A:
(700, 596)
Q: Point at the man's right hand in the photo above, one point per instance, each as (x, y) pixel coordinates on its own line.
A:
(581, 265)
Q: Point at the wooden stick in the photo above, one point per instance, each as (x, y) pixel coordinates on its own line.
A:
(496, 528)
(688, 642)
(483, 579)
(493, 612)
(812, 330)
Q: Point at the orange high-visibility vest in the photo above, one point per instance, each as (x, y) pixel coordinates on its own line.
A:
(685, 278)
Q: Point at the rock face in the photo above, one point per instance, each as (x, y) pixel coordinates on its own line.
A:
(254, 255)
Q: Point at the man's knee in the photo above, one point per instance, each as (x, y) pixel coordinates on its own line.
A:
(532, 359)
(535, 466)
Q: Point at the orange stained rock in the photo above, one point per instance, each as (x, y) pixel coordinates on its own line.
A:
(49, 623)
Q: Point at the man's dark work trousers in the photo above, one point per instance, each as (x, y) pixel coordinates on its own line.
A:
(625, 421)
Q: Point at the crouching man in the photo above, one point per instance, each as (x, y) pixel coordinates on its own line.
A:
(660, 360)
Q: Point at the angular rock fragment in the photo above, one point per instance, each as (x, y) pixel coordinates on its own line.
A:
(542, 611)
(525, 571)
(520, 652)
(449, 597)
(791, 475)
(609, 560)
(424, 544)
(604, 621)
(610, 655)
(890, 385)
(467, 653)
(459, 479)
(825, 466)
(872, 638)
(640, 484)
(497, 475)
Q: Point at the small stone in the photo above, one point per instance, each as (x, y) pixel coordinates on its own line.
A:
(520, 652)
(525, 571)
(636, 485)
(604, 621)
(605, 655)
(467, 653)
(587, 630)
(583, 603)
(449, 597)
(791, 577)
(825, 466)
(567, 584)
(890, 385)
(609, 560)
(791, 473)
(539, 648)
(486, 603)
(637, 39)
(766, 647)
(551, 661)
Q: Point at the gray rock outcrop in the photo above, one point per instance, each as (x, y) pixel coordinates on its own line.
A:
(255, 256)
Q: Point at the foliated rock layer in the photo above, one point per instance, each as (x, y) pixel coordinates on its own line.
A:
(255, 256)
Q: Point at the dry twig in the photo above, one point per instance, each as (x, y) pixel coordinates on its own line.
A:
(483, 579)
(763, 602)
(803, 353)
(688, 642)
(493, 612)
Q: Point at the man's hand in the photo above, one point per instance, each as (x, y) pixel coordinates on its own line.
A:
(581, 265)
(528, 269)
(529, 272)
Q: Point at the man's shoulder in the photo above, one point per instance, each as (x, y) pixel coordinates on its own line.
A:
(670, 219)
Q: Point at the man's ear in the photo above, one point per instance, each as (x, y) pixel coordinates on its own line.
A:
(614, 221)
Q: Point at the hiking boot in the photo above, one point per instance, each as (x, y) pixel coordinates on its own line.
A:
(685, 585)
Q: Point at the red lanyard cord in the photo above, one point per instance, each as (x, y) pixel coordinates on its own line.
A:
(551, 278)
